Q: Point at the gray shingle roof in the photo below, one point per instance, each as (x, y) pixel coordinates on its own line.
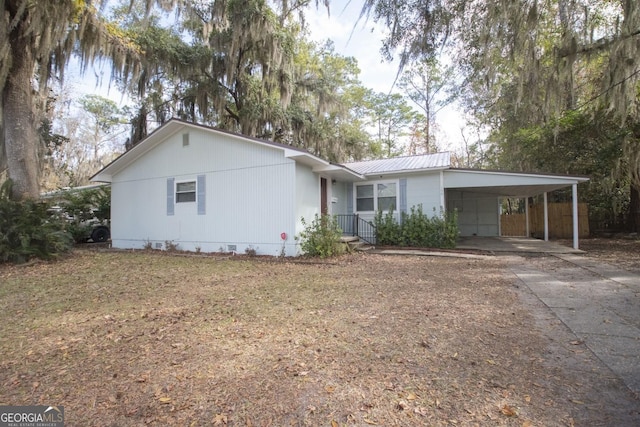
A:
(402, 164)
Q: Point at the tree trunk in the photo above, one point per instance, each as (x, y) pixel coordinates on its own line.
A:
(19, 122)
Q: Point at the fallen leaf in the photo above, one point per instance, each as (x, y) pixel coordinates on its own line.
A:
(509, 411)
(577, 402)
(220, 419)
(164, 400)
(490, 362)
(329, 389)
(421, 411)
(334, 423)
(368, 421)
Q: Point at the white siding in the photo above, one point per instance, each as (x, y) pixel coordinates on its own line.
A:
(492, 180)
(307, 196)
(424, 190)
(339, 192)
(249, 196)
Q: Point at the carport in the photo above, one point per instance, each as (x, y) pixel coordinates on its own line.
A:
(475, 195)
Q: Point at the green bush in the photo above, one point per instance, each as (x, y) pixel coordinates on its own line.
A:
(321, 237)
(28, 230)
(84, 210)
(417, 229)
(388, 231)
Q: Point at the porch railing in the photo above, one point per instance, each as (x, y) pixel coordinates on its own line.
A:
(353, 225)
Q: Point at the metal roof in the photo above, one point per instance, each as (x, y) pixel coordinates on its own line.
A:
(402, 164)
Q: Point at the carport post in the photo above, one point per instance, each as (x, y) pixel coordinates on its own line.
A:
(546, 218)
(526, 216)
(574, 196)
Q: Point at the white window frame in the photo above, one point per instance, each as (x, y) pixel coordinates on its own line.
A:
(375, 184)
(195, 191)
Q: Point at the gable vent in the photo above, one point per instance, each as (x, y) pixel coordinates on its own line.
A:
(185, 139)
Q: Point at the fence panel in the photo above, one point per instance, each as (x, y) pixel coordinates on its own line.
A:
(560, 221)
(513, 225)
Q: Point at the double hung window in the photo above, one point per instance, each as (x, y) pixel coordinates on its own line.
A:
(381, 196)
(185, 192)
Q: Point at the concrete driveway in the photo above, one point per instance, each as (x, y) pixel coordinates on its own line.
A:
(600, 306)
(588, 310)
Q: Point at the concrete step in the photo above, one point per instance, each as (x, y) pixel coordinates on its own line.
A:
(355, 244)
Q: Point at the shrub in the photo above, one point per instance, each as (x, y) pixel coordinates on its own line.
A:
(321, 237)
(388, 230)
(171, 246)
(86, 209)
(29, 230)
(417, 229)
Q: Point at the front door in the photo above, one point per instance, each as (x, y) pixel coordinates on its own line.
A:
(324, 206)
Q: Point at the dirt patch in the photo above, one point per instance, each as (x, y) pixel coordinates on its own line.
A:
(128, 339)
(624, 253)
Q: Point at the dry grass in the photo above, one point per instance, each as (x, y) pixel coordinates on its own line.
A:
(128, 339)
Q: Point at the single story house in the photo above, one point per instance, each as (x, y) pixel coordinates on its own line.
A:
(206, 189)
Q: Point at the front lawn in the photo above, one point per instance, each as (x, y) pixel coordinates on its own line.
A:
(129, 339)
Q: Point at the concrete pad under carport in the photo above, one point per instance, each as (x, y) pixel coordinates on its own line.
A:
(513, 244)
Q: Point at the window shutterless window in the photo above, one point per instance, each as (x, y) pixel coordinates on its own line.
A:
(374, 197)
(186, 192)
(364, 198)
(387, 196)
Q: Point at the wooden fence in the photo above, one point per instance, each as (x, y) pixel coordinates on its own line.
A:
(560, 221)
